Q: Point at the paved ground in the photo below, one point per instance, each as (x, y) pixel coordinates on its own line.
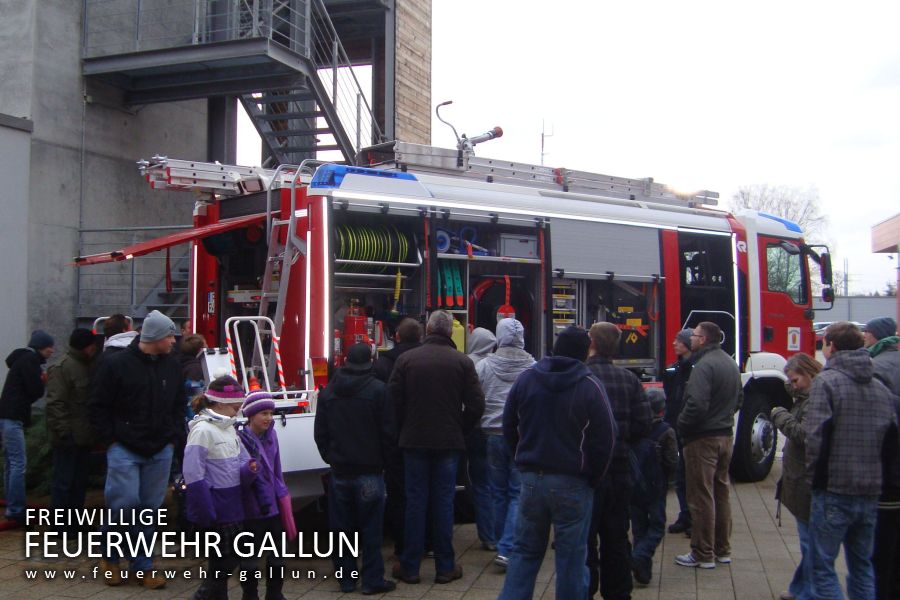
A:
(764, 559)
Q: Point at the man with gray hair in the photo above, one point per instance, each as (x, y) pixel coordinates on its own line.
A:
(438, 400)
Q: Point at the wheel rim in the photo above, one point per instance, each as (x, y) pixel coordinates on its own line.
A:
(762, 439)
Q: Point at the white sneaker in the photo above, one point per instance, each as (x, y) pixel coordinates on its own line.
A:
(688, 560)
(725, 560)
(501, 561)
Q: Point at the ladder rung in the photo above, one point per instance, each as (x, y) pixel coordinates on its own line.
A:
(277, 222)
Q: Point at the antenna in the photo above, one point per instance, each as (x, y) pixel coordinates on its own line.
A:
(544, 135)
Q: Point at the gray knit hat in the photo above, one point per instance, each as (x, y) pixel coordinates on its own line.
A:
(684, 336)
(157, 326)
(882, 327)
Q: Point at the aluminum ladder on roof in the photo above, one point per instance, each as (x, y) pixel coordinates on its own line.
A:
(445, 161)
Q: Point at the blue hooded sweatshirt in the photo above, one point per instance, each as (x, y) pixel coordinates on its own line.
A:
(558, 420)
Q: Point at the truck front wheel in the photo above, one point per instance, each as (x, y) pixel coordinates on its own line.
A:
(755, 441)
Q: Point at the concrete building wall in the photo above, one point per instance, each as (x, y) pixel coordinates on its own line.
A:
(14, 145)
(80, 157)
(412, 73)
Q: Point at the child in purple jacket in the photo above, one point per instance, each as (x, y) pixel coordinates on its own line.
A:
(216, 467)
(267, 502)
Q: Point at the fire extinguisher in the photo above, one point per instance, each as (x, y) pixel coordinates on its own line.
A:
(356, 326)
(338, 350)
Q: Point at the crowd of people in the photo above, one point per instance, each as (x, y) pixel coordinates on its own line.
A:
(571, 442)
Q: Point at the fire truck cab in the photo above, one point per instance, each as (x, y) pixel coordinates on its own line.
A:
(336, 254)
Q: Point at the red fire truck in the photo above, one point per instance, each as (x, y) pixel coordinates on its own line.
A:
(290, 266)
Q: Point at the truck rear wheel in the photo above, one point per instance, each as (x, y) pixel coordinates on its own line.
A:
(755, 442)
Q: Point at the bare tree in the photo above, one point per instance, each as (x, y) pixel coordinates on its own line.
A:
(802, 206)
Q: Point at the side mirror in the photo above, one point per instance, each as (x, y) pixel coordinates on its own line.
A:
(827, 294)
(825, 269)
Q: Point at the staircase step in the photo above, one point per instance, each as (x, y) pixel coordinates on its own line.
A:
(292, 115)
(319, 148)
(292, 97)
(298, 132)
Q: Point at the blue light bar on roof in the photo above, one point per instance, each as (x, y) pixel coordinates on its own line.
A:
(331, 176)
(790, 225)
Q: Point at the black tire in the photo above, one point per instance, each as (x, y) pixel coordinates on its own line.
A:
(756, 440)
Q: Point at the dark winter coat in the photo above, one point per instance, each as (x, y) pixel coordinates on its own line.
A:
(68, 391)
(354, 428)
(558, 419)
(24, 385)
(712, 396)
(795, 491)
(261, 497)
(138, 400)
(886, 361)
(630, 407)
(384, 364)
(437, 396)
(674, 381)
(848, 416)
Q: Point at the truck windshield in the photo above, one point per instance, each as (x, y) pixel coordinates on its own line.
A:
(786, 273)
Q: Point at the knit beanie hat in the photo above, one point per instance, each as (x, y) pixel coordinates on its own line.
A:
(40, 339)
(225, 390)
(157, 326)
(257, 402)
(882, 327)
(359, 357)
(81, 338)
(657, 398)
(684, 336)
(573, 342)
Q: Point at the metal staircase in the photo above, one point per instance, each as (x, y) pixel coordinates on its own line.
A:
(282, 58)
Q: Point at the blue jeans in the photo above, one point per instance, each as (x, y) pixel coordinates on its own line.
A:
(14, 475)
(836, 519)
(506, 485)
(648, 523)
(476, 455)
(356, 504)
(566, 503)
(430, 481)
(135, 482)
(801, 584)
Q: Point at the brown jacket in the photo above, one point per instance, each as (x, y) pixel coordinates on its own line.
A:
(436, 394)
(795, 491)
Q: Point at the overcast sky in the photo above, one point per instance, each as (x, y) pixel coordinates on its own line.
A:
(698, 95)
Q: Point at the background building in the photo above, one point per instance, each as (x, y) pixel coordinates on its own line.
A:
(90, 87)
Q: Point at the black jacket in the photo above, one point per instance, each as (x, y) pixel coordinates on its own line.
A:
(24, 385)
(437, 396)
(384, 365)
(558, 419)
(138, 400)
(354, 428)
(674, 382)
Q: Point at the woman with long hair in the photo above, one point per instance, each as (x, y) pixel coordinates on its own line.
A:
(795, 492)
